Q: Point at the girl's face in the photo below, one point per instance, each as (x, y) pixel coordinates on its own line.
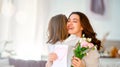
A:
(74, 26)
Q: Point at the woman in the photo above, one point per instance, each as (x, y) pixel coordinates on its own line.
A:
(77, 25)
(57, 34)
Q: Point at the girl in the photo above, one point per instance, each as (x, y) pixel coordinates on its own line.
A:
(57, 34)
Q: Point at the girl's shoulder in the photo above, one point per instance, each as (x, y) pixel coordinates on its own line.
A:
(72, 40)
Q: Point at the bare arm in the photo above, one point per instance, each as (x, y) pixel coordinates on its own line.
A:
(51, 57)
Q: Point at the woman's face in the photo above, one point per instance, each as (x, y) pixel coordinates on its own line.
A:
(74, 26)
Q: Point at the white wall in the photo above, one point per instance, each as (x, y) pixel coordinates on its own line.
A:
(21, 29)
(27, 28)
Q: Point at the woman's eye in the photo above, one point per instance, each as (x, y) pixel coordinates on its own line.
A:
(75, 21)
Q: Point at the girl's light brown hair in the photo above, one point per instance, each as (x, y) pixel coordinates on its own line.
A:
(57, 30)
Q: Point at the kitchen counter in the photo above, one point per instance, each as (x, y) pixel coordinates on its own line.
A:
(109, 62)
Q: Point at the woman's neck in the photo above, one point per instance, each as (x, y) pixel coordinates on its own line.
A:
(79, 35)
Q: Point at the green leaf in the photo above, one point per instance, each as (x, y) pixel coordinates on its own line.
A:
(83, 49)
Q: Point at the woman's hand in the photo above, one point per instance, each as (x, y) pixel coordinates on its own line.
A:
(52, 57)
(76, 62)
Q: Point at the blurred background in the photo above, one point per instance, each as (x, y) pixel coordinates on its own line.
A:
(23, 24)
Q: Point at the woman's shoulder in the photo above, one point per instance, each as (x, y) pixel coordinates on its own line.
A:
(92, 59)
(93, 54)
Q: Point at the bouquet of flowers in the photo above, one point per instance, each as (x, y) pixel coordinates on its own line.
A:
(83, 47)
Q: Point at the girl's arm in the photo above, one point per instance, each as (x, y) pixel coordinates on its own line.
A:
(51, 57)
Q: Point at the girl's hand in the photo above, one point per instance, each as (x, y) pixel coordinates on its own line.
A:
(76, 62)
(52, 57)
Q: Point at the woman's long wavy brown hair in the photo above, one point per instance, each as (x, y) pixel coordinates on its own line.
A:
(57, 30)
(87, 29)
